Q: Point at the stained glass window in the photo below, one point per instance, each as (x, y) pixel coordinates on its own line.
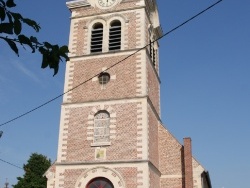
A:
(100, 183)
(101, 127)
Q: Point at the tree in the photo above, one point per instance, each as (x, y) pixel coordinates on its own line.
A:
(11, 27)
(34, 170)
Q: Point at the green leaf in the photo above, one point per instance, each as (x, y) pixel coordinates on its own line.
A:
(12, 45)
(64, 49)
(35, 167)
(42, 50)
(2, 14)
(45, 62)
(10, 3)
(62, 52)
(16, 15)
(25, 40)
(45, 53)
(32, 24)
(17, 27)
(17, 22)
(55, 48)
(56, 70)
(35, 41)
(6, 28)
(65, 56)
(3, 3)
(52, 55)
(47, 45)
(9, 17)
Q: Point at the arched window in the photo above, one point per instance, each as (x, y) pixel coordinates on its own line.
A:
(96, 38)
(115, 35)
(101, 127)
(100, 183)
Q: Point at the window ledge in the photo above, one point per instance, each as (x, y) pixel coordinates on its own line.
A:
(100, 144)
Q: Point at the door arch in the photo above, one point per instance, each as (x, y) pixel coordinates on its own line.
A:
(100, 182)
(96, 174)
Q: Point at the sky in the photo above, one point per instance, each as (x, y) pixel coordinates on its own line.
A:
(205, 87)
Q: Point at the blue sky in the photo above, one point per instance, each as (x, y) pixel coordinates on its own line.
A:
(205, 90)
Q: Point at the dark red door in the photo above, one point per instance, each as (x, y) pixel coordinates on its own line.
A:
(100, 183)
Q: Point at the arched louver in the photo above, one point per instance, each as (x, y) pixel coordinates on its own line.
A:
(115, 35)
(154, 56)
(150, 48)
(152, 52)
(97, 38)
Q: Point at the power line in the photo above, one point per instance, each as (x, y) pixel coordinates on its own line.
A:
(190, 19)
(10, 164)
(167, 33)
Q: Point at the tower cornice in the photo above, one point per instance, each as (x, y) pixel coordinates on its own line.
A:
(77, 3)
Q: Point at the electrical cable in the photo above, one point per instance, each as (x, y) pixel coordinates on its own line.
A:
(10, 164)
(167, 33)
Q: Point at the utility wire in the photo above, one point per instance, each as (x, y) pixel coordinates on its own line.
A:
(167, 33)
(10, 164)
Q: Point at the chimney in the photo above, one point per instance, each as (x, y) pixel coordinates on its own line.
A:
(188, 163)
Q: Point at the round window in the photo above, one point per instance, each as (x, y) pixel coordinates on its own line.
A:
(104, 78)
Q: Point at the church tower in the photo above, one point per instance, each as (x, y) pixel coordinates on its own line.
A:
(110, 117)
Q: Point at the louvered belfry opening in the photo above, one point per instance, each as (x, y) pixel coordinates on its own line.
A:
(152, 52)
(97, 38)
(153, 58)
(150, 48)
(115, 35)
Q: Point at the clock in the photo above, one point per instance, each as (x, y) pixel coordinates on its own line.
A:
(106, 3)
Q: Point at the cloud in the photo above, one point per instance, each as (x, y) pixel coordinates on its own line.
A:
(11, 71)
(9, 65)
(26, 71)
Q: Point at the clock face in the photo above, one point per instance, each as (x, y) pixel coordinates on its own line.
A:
(106, 3)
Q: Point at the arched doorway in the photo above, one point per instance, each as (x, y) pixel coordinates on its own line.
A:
(100, 182)
(100, 177)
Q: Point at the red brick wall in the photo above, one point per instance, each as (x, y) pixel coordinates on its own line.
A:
(133, 33)
(70, 177)
(123, 86)
(154, 179)
(172, 183)
(153, 138)
(79, 43)
(171, 160)
(153, 86)
(170, 153)
(129, 175)
(123, 146)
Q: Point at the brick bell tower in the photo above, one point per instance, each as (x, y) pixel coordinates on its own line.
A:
(111, 135)
(109, 125)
